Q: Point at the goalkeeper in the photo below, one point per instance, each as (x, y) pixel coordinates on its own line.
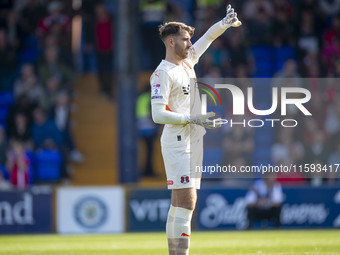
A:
(177, 105)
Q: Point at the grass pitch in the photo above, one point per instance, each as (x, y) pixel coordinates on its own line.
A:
(207, 243)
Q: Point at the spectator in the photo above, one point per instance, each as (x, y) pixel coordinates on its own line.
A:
(332, 161)
(3, 146)
(9, 61)
(242, 71)
(330, 7)
(330, 53)
(153, 14)
(30, 16)
(316, 178)
(284, 5)
(330, 90)
(238, 143)
(28, 84)
(55, 22)
(264, 201)
(52, 65)
(333, 31)
(238, 179)
(288, 75)
(61, 115)
(88, 17)
(311, 6)
(50, 94)
(205, 63)
(337, 68)
(16, 35)
(22, 105)
(47, 136)
(318, 150)
(317, 107)
(53, 42)
(218, 52)
(44, 131)
(18, 165)
(307, 41)
(332, 120)
(104, 36)
(6, 6)
(251, 7)
(21, 130)
(239, 52)
(284, 31)
(291, 178)
(287, 149)
(147, 129)
(261, 25)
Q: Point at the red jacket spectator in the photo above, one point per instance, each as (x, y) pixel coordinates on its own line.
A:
(18, 165)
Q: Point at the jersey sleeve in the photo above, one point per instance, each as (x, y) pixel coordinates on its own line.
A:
(160, 83)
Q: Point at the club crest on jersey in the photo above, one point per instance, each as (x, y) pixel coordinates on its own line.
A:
(156, 89)
(184, 179)
(186, 90)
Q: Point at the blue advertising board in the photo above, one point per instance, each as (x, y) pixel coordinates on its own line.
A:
(302, 208)
(148, 209)
(26, 211)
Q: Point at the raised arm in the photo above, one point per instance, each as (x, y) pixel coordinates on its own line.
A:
(230, 20)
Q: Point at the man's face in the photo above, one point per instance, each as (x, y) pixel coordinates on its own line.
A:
(182, 44)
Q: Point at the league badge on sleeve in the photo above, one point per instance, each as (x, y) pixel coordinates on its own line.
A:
(156, 91)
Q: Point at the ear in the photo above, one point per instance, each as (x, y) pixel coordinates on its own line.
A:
(171, 41)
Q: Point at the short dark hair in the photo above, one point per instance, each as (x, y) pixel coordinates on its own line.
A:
(173, 28)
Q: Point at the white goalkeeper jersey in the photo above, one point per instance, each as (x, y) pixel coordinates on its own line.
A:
(175, 86)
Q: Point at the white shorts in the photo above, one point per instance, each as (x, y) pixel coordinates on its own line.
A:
(181, 165)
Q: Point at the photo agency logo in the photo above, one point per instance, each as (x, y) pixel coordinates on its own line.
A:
(288, 96)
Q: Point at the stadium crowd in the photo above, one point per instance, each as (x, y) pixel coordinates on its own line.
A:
(296, 42)
(299, 40)
(36, 87)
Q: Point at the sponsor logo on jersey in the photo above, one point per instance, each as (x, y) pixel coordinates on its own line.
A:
(170, 182)
(186, 90)
(184, 179)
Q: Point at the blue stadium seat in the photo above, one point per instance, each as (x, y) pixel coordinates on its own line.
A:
(281, 54)
(261, 155)
(48, 165)
(263, 139)
(3, 114)
(28, 55)
(264, 68)
(262, 53)
(211, 157)
(31, 43)
(6, 99)
(4, 172)
(284, 53)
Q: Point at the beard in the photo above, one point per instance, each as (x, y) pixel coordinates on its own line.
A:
(182, 53)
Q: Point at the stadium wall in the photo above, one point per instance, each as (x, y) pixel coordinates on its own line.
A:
(26, 211)
(96, 210)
